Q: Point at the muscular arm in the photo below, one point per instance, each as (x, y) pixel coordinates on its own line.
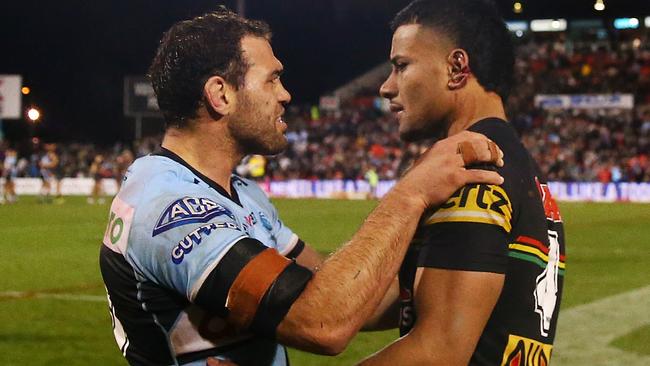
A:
(320, 313)
(352, 282)
(453, 308)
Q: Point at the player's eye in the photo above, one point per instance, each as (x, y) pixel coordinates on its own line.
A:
(400, 66)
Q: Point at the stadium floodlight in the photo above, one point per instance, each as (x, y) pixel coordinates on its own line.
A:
(647, 22)
(548, 25)
(33, 114)
(25, 90)
(626, 23)
(517, 7)
(599, 5)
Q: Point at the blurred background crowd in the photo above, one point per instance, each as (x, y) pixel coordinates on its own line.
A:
(606, 145)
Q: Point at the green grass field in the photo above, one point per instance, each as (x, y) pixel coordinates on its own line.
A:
(50, 313)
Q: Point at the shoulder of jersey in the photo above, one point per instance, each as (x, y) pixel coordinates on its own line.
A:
(155, 175)
(165, 196)
(250, 187)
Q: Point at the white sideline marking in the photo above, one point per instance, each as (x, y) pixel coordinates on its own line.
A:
(42, 295)
(585, 332)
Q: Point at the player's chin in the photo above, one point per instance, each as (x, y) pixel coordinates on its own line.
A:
(419, 130)
(411, 134)
(275, 146)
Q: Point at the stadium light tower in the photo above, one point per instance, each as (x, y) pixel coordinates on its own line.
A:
(241, 7)
(599, 5)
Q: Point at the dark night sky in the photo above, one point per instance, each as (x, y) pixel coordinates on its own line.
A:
(74, 54)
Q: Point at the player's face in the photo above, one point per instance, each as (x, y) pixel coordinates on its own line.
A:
(257, 123)
(417, 86)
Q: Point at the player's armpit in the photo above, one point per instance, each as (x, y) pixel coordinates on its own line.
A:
(453, 308)
(253, 287)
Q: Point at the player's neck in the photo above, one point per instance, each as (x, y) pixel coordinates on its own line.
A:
(207, 148)
(474, 106)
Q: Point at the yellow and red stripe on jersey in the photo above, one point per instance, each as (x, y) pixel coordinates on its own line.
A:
(532, 250)
(521, 351)
(478, 203)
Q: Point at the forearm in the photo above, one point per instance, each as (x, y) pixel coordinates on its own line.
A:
(352, 282)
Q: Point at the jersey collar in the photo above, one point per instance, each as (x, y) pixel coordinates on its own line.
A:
(214, 185)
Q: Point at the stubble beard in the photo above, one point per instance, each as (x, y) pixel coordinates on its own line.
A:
(254, 132)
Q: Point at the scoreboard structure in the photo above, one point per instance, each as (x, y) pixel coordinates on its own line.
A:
(139, 101)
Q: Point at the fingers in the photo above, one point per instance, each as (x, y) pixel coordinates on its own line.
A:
(482, 176)
(480, 150)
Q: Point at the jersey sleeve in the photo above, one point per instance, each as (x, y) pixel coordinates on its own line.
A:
(469, 232)
(198, 249)
(287, 242)
(179, 243)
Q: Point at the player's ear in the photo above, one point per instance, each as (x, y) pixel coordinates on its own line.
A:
(458, 69)
(219, 95)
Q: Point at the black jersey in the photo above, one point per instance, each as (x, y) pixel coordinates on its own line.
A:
(514, 229)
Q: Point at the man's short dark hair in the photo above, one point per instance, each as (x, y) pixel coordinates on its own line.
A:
(475, 26)
(191, 52)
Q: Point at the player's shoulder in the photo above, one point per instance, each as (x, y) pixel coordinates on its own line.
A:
(505, 135)
(490, 204)
(247, 185)
(496, 129)
(151, 177)
(162, 195)
(251, 189)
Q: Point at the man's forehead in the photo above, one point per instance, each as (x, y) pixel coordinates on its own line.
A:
(416, 39)
(258, 52)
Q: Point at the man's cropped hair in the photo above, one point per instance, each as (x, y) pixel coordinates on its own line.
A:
(475, 26)
(194, 50)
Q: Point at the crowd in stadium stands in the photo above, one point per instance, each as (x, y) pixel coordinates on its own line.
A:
(598, 145)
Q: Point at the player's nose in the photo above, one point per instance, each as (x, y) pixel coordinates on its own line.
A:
(284, 96)
(388, 89)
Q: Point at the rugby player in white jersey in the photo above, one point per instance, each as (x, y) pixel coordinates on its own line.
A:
(197, 264)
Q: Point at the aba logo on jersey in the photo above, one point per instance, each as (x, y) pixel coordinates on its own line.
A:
(189, 210)
(521, 351)
(186, 245)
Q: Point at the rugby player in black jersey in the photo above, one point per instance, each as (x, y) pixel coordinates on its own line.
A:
(482, 281)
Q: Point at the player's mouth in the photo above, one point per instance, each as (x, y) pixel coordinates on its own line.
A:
(398, 109)
(280, 124)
